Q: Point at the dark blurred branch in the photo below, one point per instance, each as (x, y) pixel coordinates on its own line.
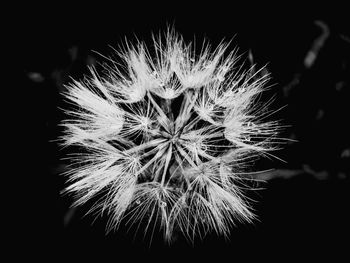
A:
(310, 57)
(345, 38)
(318, 43)
(291, 173)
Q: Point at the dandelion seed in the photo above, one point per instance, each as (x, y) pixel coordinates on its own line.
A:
(166, 141)
(221, 78)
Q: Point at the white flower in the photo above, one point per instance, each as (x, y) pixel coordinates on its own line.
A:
(166, 138)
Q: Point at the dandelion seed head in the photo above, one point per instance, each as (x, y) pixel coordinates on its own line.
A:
(164, 140)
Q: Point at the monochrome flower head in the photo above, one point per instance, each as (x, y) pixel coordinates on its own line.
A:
(164, 135)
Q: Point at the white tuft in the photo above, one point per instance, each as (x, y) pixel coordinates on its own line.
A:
(164, 139)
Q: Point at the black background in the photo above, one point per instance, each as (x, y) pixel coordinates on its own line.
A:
(305, 213)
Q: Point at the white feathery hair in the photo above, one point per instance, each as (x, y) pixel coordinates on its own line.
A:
(167, 137)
